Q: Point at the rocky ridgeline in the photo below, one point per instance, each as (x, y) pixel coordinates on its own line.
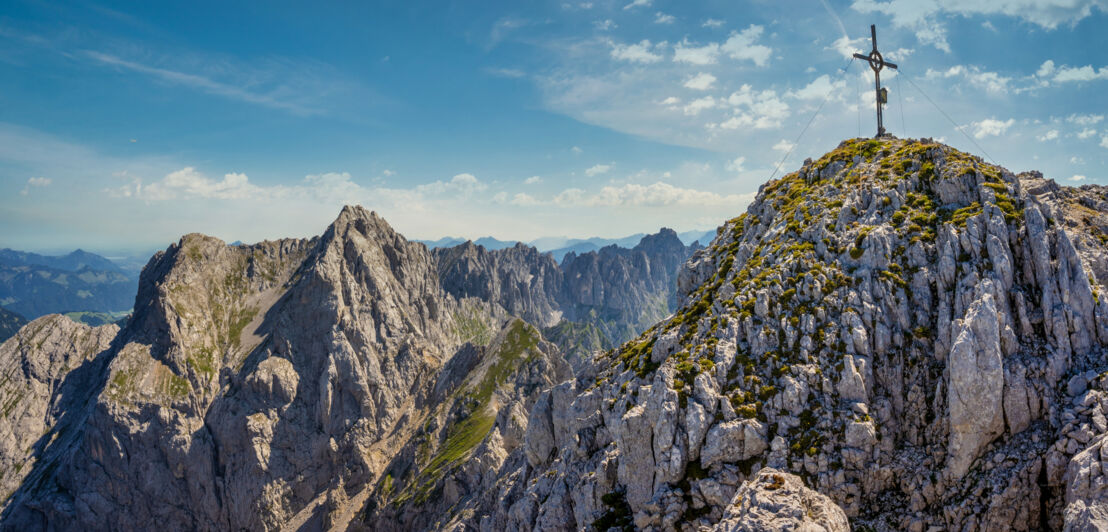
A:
(898, 334)
(280, 384)
(614, 292)
(916, 334)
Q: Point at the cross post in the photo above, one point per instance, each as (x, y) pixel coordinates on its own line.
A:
(876, 62)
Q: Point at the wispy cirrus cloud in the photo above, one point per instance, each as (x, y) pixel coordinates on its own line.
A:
(205, 84)
(299, 87)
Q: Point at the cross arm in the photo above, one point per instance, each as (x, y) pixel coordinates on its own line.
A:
(890, 65)
(862, 57)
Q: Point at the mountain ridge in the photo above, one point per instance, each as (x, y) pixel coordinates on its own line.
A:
(898, 334)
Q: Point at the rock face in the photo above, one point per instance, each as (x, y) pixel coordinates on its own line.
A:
(624, 291)
(775, 500)
(41, 393)
(615, 291)
(280, 384)
(912, 331)
(898, 333)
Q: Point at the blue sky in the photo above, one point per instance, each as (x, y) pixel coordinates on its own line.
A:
(124, 126)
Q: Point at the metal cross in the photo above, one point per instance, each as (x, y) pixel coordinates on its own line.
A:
(876, 62)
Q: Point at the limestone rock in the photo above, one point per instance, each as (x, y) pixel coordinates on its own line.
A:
(776, 500)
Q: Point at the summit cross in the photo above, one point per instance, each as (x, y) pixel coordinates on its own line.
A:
(876, 62)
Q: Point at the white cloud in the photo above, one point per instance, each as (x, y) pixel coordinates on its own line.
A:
(1076, 160)
(1066, 74)
(671, 101)
(784, 146)
(662, 18)
(696, 106)
(187, 183)
(1049, 135)
(924, 18)
(695, 55)
(638, 3)
(605, 25)
(512, 73)
(990, 81)
(520, 199)
(1078, 178)
(741, 46)
(387, 173)
(659, 194)
(576, 150)
(598, 169)
(1086, 133)
(701, 82)
(991, 127)
(736, 165)
(818, 89)
(533, 180)
(1046, 69)
(713, 23)
(847, 47)
(1084, 120)
(570, 197)
(755, 109)
(283, 97)
(1104, 142)
(637, 53)
(36, 182)
(464, 184)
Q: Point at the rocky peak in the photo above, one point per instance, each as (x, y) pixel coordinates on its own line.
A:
(898, 323)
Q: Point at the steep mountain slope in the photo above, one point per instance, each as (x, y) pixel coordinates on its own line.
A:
(268, 385)
(594, 300)
(917, 334)
(623, 291)
(10, 323)
(481, 404)
(40, 397)
(34, 285)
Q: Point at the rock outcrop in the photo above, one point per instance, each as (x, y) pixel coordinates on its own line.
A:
(774, 500)
(270, 385)
(905, 327)
(48, 370)
(898, 334)
(614, 293)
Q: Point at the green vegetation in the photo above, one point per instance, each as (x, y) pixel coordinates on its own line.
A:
(466, 434)
(618, 514)
(96, 319)
(959, 217)
(470, 326)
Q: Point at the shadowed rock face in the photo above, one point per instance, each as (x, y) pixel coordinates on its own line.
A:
(615, 290)
(250, 380)
(254, 385)
(42, 392)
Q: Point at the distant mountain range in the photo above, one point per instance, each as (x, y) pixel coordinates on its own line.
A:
(10, 323)
(560, 246)
(34, 285)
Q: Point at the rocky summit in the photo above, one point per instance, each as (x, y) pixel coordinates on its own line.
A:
(898, 336)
